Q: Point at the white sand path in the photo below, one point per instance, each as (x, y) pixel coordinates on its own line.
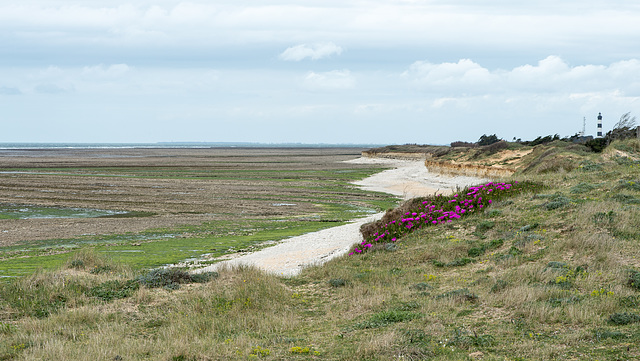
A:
(407, 179)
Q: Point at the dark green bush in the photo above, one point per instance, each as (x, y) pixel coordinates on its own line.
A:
(582, 188)
(557, 201)
(111, 290)
(597, 145)
(624, 318)
(337, 282)
(557, 265)
(484, 226)
(589, 166)
(77, 263)
(626, 198)
(171, 278)
(602, 334)
(634, 280)
(488, 139)
(476, 251)
(604, 217)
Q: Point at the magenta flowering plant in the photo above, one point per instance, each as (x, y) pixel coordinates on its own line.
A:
(443, 209)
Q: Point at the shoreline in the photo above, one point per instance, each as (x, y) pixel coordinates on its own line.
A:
(408, 179)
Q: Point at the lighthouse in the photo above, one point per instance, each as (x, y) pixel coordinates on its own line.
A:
(599, 134)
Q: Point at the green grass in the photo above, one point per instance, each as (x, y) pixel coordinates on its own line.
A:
(155, 249)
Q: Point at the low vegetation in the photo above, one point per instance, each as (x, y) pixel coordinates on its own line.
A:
(550, 272)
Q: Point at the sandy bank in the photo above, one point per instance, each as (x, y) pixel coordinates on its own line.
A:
(410, 179)
(407, 179)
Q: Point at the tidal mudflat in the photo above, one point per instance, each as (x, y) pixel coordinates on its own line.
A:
(166, 205)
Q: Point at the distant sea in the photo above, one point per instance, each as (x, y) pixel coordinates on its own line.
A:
(178, 145)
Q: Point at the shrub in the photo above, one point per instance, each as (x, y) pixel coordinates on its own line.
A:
(604, 217)
(432, 211)
(476, 251)
(557, 201)
(466, 339)
(111, 290)
(422, 286)
(460, 144)
(337, 282)
(633, 185)
(171, 278)
(496, 243)
(495, 147)
(624, 318)
(542, 140)
(589, 166)
(77, 263)
(499, 286)
(385, 318)
(484, 226)
(582, 188)
(602, 334)
(626, 198)
(557, 265)
(462, 294)
(488, 139)
(634, 280)
(597, 145)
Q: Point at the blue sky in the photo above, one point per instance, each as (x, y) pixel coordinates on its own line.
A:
(368, 71)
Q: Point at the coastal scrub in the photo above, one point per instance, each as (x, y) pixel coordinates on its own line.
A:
(443, 209)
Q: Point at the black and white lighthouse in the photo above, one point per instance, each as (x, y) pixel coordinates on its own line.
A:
(599, 134)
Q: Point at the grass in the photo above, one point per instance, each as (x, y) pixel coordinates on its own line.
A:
(538, 282)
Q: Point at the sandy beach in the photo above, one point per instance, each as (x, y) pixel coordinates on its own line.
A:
(408, 179)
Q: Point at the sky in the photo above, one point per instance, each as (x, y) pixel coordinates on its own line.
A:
(314, 71)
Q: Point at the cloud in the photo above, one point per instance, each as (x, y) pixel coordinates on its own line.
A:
(9, 91)
(101, 71)
(461, 75)
(52, 89)
(332, 80)
(549, 75)
(314, 52)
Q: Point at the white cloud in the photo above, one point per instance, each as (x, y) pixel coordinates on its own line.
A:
(549, 75)
(101, 71)
(332, 80)
(314, 51)
(461, 75)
